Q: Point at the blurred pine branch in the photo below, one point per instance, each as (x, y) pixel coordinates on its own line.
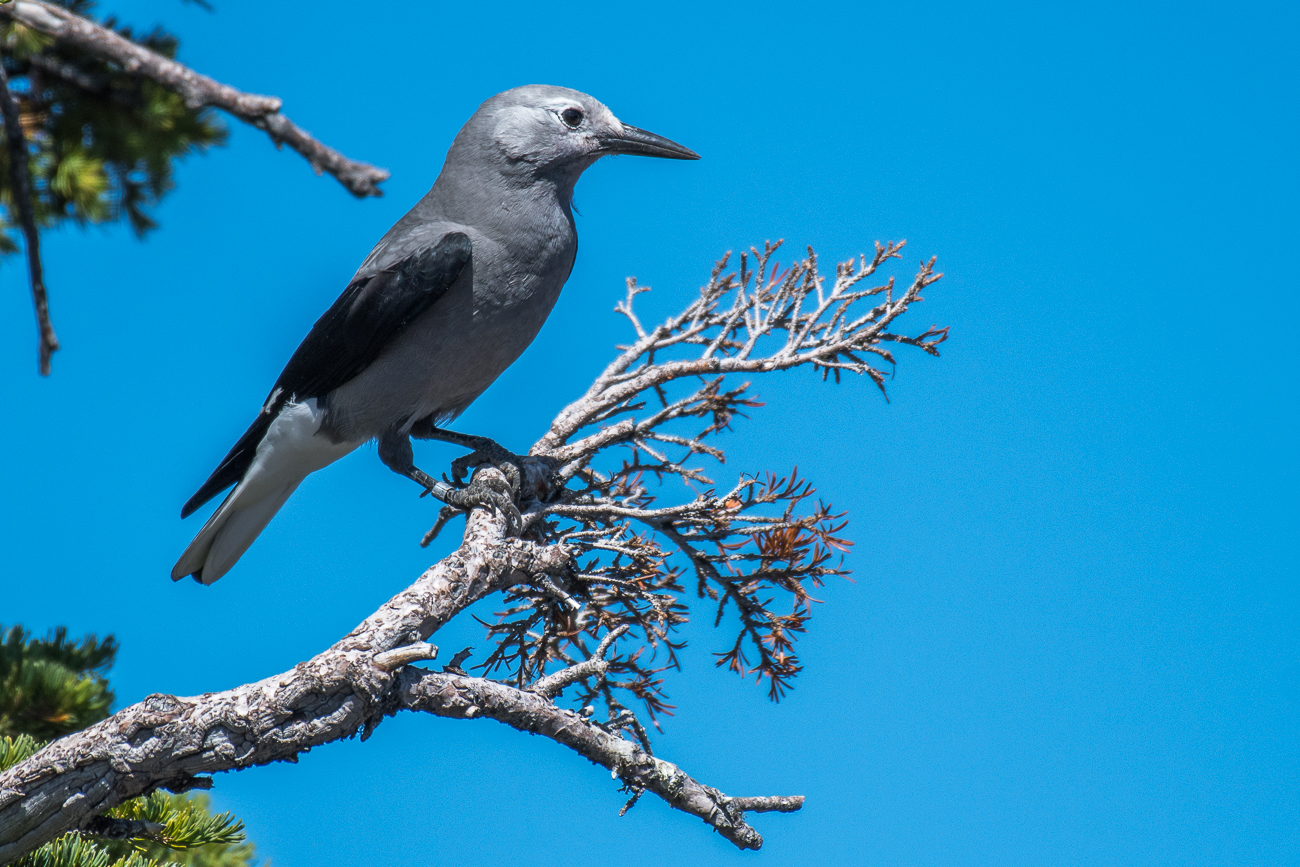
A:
(53, 686)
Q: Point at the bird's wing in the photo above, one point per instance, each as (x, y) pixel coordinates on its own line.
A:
(369, 314)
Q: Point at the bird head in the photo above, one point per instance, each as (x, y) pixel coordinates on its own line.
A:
(558, 130)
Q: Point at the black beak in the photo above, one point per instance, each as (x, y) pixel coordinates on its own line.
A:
(645, 144)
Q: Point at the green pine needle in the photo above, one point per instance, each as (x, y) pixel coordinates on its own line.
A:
(52, 686)
(102, 142)
(186, 819)
(73, 850)
(14, 750)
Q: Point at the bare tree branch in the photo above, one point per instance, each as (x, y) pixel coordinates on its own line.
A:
(553, 684)
(20, 183)
(450, 695)
(263, 112)
(591, 590)
(167, 742)
(768, 532)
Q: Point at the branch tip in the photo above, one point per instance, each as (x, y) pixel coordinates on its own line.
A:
(391, 660)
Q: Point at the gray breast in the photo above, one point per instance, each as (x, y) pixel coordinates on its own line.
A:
(449, 356)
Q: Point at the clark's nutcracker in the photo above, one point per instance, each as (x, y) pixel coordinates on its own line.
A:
(444, 303)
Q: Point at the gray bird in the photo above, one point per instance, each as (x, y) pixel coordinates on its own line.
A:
(444, 303)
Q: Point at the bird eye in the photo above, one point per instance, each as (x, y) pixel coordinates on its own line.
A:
(571, 117)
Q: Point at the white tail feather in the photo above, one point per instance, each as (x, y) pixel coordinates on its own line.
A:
(227, 535)
(288, 453)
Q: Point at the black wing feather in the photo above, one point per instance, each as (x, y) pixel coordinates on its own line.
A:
(369, 314)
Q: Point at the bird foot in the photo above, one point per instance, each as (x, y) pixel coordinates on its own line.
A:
(531, 477)
(488, 490)
(487, 452)
(526, 478)
(484, 489)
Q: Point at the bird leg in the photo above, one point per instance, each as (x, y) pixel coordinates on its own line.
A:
(484, 451)
(396, 453)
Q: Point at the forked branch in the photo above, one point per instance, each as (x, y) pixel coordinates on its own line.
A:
(593, 590)
(659, 407)
(170, 742)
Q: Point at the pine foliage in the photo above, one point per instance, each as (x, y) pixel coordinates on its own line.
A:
(102, 141)
(188, 824)
(73, 850)
(15, 750)
(52, 686)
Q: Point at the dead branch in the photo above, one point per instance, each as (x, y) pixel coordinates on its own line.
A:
(660, 402)
(450, 695)
(553, 684)
(20, 183)
(592, 589)
(198, 90)
(168, 742)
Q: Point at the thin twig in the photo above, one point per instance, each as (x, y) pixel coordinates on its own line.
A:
(551, 685)
(20, 184)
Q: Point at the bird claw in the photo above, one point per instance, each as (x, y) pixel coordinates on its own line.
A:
(487, 491)
(482, 490)
(489, 453)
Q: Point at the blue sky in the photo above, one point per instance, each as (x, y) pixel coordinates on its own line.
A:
(1072, 633)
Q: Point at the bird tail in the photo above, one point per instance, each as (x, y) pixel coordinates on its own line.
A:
(289, 451)
(231, 529)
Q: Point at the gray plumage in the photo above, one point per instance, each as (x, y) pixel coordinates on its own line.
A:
(444, 303)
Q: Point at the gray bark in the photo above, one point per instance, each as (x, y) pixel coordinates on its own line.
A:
(168, 741)
(590, 576)
(459, 697)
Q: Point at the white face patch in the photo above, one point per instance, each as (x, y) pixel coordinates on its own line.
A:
(538, 132)
(518, 130)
